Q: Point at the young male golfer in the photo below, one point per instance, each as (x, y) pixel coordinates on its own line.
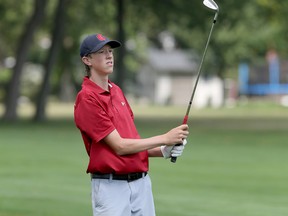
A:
(118, 157)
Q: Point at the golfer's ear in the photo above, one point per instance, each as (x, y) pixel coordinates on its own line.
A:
(86, 61)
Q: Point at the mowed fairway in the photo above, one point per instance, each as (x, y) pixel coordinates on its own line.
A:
(230, 167)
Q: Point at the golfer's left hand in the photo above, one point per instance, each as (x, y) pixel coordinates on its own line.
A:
(173, 151)
(178, 150)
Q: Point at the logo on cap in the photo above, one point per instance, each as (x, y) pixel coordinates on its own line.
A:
(101, 37)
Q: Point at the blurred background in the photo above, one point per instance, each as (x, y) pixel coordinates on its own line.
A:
(163, 43)
(239, 123)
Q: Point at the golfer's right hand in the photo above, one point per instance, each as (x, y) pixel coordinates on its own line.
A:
(176, 135)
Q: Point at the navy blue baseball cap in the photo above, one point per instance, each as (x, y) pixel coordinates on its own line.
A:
(93, 43)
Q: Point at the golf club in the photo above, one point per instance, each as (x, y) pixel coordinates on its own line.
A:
(212, 5)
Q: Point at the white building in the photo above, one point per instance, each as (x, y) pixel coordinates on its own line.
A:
(169, 77)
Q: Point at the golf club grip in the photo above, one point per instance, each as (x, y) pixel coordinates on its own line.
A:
(185, 120)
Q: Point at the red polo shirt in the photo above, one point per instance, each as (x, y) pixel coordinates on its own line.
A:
(97, 113)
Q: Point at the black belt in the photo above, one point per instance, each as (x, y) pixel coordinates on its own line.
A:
(124, 177)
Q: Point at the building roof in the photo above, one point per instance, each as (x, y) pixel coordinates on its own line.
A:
(173, 61)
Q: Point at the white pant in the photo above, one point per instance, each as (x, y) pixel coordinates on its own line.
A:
(122, 198)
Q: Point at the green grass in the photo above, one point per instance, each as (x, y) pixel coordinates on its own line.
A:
(42, 170)
(232, 166)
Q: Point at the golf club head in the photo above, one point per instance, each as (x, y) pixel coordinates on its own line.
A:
(211, 4)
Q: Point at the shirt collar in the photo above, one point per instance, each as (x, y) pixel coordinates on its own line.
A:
(93, 86)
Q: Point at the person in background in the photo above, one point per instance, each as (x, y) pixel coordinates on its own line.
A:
(118, 157)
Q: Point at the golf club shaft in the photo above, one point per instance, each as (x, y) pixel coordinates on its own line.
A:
(185, 120)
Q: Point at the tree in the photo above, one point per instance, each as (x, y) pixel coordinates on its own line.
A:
(57, 37)
(244, 29)
(120, 75)
(21, 55)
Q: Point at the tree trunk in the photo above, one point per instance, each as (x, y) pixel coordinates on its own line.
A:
(120, 66)
(21, 56)
(57, 37)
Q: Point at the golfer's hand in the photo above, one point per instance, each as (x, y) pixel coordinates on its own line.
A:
(173, 151)
(176, 135)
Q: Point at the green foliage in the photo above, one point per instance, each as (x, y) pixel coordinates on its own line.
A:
(244, 30)
(13, 14)
(5, 75)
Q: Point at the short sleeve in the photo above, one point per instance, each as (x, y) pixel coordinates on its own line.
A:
(91, 118)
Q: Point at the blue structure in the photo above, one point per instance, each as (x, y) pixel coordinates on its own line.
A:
(272, 87)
